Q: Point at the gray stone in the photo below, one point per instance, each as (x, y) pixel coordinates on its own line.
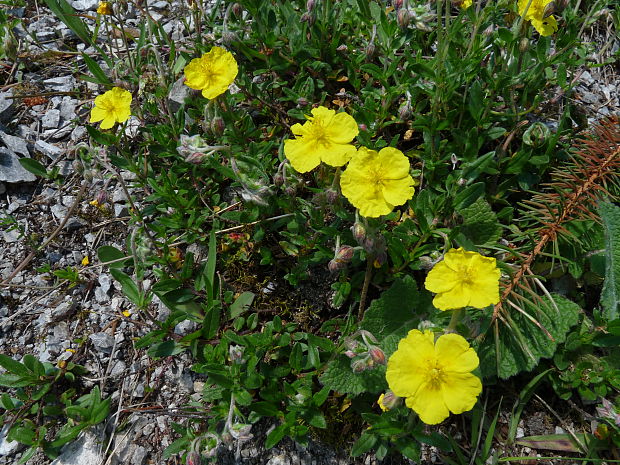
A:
(119, 196)
(8, 447)
(177, 95)
(118, 369)
(59, 211)
(7, 106)
(11, 170)
(84, 5)
(103, 342)
(120, 210)
(101, 291)
(15, 144)
(44, 35)
(78, 133)
(51, 119)
(185, 327)
(61, 83)
(67, 109)
(2, 188)
(139, 455)
(86, 450)
(11, 236)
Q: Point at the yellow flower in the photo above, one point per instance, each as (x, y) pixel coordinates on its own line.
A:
(104, 8)
(212, 73)
(434, 376)
(464, 279)
(111, 107)
(466, 4)
(376, 182)
(85, 261)
(325, 137)
(535, 14)
(380, 402)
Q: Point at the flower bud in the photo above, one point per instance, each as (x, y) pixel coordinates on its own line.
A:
(278, 179)
(229, 38)
(351, 344)
(350, 354)
(307, 18)
(403, 18)
(331, 196)
(536, 134)
(101, 197)
(290, 191)
(342, 48)
(359, 365)
(388, 401)
(310, 5)
(235, 353)
(302, 101)
(237, 10)
(195, 158)
(344, 254)
(398, 4)
(524, 45)
(488, 32)
(359, 232)
(241, 431)
(405, 111)
(362, 127)
(217, 126)
(380, 259)
(377, 355)
(193, 458)
(370, 50)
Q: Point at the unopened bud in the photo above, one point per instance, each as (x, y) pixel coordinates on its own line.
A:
(290, 191)
(405, 111)
(237, 10)
(362, 127)
(489, 31)
(426, 262)
(359, 232)
(359, 365)
(536, 134)
(524, 45)
(195, 158)
(193, 458)
(377, 355)
(302, 101)
(403, 18)
(350, 354)
(331, 195)
(351, 344)
(342, 48)
(388, 401)
(380, 259)
(241, 431)
(278, 179)
(398, 4)
(370, 50)
(229, 38)
(101, 197)
(235, 353)
(217, 126)
(307, 18)
(310, 5)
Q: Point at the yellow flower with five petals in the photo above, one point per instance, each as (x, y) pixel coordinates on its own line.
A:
(111, 107)
(535, 13)
(434, 376)
(105, 8)
(326, 137)
(464, 279)
(375, 182)
(213, 73)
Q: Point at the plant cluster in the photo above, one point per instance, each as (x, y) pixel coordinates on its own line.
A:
(423, 153)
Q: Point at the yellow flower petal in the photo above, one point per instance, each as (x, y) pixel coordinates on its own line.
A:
(458, 356)
(460, 392)
(429, 405)
(435, 376)
(213, 73)
(343, 128)
(301, 154)
(113, 106)
(374, 182)
(464, 279)
(546, 26)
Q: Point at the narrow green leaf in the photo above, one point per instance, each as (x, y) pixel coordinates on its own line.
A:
(363, 444)
(276, 436)
(32, 165)
(128, 286)
(13, 366)
(610, 295)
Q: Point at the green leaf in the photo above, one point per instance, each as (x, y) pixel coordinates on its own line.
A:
(610, 295)
(521, 343)
(128, 286)
(340, 378)
(296, 357)
(96, 70)
(266, 409)
(165, 349)
(14, 381)
(241, 304)
(469, 195)
(480, 223)
(70, 17)
(14, 366)
(557, 442)
(276, 435)
(394, 311)
(107, 253)
(33, 166)
(363, 444)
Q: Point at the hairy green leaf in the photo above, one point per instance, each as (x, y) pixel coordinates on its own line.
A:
(480, 223)
(610, 296)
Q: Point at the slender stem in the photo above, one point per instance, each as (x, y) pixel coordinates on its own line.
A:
(369, 261)
(457, 316)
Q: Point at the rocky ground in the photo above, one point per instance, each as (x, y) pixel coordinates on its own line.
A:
(44, 107)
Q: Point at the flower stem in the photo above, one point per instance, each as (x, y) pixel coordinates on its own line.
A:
(369, 261)
(457, 316)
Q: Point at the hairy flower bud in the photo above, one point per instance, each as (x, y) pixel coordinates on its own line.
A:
(237, 10)
(405, 111)
(310, 5)
(235, 353)
(359, 232)
(302, 101)
(307, 18)
(195, 158)
(350, 354)
(536, 134)
(398, 4)
(193, 458)
(524, 45)
(229, 38)
(388, 401)
(403, 18)
(377, 355)
(217, 126)
(359, 365)
(370, 50)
